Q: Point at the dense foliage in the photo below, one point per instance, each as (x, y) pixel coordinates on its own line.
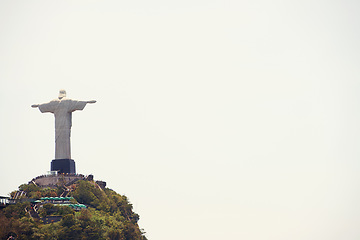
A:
(108, 216)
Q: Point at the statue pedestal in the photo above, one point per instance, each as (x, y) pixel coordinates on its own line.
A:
(63, 165)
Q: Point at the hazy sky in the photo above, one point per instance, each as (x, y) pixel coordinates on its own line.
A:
(218, 119)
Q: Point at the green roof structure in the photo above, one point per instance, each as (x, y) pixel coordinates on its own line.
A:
(57, 198)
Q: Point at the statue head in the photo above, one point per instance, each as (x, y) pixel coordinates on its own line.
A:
(62, 94)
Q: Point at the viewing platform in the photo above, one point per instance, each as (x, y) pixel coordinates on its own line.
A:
(53, 179)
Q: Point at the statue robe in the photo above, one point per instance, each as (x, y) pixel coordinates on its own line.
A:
(62, 110)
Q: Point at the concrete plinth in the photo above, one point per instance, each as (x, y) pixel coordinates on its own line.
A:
(63, 165)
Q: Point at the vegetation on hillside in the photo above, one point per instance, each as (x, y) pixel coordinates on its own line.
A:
(108, 216)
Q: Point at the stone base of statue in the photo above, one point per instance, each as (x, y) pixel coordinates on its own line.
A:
(63, 165)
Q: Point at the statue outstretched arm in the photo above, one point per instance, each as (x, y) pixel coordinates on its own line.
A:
(45, 107)
(91, 101)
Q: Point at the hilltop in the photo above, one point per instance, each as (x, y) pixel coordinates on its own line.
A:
(77, 208)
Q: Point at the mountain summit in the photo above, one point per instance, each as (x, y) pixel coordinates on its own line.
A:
(68, 206)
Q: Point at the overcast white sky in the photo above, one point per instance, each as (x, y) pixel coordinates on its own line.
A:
(218, 119)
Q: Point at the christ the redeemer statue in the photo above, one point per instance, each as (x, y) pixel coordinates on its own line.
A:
(62, 109)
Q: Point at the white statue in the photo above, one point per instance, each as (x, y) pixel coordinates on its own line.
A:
(62, 109)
